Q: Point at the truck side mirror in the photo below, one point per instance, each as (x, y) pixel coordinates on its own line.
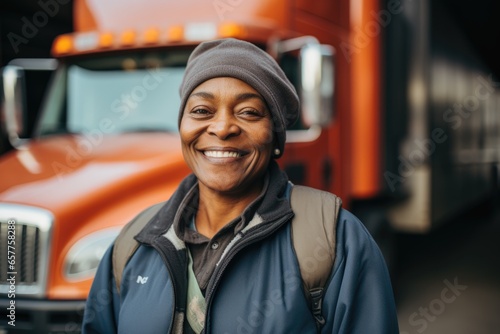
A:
(317, 84)
(14, 103)
(23, 78)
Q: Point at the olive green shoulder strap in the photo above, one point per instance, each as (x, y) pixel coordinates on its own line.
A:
(125, 244)
(313, 233)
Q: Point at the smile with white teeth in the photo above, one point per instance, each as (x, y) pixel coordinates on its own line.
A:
(222, 154)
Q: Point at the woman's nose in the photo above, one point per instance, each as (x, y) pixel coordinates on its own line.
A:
(224, 125)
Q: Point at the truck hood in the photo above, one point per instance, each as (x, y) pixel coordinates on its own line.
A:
(54, 173)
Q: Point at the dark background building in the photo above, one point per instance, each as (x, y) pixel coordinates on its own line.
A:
(17, 19)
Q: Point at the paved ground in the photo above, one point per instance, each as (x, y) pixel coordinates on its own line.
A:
(449, 282)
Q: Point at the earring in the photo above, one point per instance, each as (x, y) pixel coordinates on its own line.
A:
(277, 151)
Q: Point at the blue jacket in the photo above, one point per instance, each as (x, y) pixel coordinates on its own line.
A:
(256, 287)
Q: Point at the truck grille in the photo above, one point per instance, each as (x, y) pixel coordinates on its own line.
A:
(26, 252)
(27, 231)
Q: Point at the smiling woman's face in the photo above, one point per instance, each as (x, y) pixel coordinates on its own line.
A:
(226, 134)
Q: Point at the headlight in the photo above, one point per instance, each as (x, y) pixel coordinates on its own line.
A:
(83, 258)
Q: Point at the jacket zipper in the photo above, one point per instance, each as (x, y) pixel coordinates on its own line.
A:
(167, 263)
(258, 235)
(174, 285)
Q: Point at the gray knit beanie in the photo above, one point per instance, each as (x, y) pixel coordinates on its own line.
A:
(244, 61)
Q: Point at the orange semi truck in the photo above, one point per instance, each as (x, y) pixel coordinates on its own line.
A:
(106, 144)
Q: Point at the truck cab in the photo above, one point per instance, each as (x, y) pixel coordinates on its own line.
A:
(106, 143)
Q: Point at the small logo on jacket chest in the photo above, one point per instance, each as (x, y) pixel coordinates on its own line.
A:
(141, 279)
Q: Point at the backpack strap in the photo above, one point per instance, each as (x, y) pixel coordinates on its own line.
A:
(314, 238)
(125, 244)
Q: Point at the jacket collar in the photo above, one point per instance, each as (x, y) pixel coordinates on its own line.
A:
(270, 206)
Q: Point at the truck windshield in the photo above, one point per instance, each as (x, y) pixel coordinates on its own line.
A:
(115, 94)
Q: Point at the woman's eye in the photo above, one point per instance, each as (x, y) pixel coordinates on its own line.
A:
(252, 113)
(199, 112)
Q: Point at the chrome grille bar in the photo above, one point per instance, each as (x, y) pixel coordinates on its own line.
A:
(32, 239)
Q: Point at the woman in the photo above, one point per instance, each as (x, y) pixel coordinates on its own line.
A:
(218, 256)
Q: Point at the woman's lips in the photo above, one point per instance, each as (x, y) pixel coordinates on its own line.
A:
(222, 154)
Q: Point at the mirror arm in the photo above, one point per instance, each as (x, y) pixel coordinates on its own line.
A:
(11, 82)
(303, 136)
(277, 47)
(296, 43)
